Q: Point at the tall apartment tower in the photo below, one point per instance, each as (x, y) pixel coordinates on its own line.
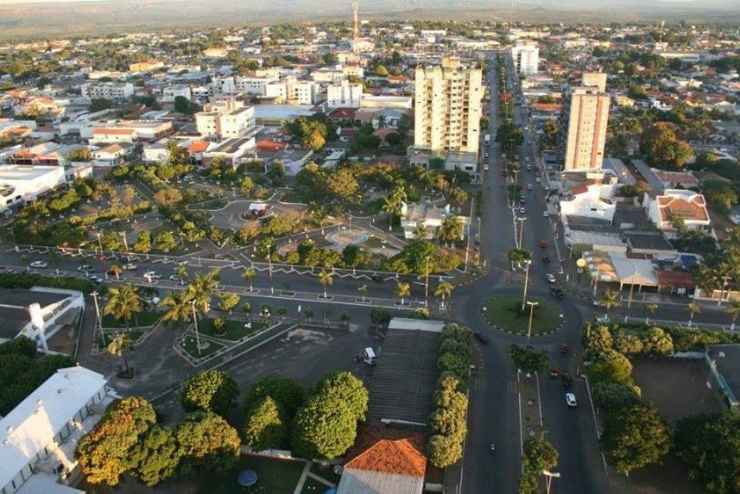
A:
(526, 57)
(588, 117)
(447, 107)
(595, 79)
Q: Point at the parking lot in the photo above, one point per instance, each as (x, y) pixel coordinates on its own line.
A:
(677, 387)
(403, 381)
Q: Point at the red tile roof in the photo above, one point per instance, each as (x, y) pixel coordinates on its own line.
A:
(270, 145)
(675, 279)
(197, 147)
(676, 207)
(399, 457)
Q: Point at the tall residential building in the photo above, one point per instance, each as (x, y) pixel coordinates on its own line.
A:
(108, 90)
(595, 79)
(588, 117)
(225, 119)
(448, 107)
(526, 56)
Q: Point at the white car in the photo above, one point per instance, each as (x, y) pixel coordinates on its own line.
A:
(551, 278)
(39, 264)
(570, 400)
(130, 267)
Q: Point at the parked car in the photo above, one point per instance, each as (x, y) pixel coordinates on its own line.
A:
(546, 260)
(39, 264)
(570, 400)
(481, 337)
(557, 292)
(130, 266)
(551, 278)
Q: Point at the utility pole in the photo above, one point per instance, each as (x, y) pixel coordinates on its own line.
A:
(531, 305)
(97, 313)
(100, 244)
(526, 282)
(549, 476)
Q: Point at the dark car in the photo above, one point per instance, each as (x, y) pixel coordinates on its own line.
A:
(557, 292)
(546, 260)
(481, 337)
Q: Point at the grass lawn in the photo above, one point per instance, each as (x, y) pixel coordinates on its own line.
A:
(189, 345)
(232, 330)
(503, 312)
(274, 477)
(141, 319)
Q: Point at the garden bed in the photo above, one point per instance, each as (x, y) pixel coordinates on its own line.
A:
(504, 312)
(232, 330)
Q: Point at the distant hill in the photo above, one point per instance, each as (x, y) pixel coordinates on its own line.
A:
(38, 20)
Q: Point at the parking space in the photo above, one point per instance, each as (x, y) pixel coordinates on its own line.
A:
(403, 381)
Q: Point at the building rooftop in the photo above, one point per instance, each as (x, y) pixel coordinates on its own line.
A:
(34, 423)
(683, 204)
(727, 359)
(399, 456)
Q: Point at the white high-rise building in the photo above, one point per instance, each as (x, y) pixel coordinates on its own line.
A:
(448, 107)
(526, 56)
(107, 90)
(344, 95)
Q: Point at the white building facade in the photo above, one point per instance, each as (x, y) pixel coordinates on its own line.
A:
(344, 95)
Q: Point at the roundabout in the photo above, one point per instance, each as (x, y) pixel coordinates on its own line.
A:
(504, 313)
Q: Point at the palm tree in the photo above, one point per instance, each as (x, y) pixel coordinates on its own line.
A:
(609, 300)
(182, 272)
(118, 346)
(733, 310)
(420, 232)
(403, 290)
(450, 230)
(116, 271)
(444, 290)
(694, 309)
(123, 303)
(651, 308)
(177, 307)
(249, 274)
(326, 280)
(393, 203)
(201, 290)
(363, 291)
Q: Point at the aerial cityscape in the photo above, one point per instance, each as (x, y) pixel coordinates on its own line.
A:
(394, 248)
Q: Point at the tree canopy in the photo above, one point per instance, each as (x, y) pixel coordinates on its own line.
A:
(211, 390)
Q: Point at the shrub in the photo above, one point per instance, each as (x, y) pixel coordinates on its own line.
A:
(211, 390)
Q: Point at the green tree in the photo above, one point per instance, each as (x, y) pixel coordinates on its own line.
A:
(658, 342)
(343, 185)
(246, 186)
(609, 300)
(211, 390)
(249, 274)
(183, 105)
(207, 441)
(518, 257)
(315, 141)
(265, 427)
(528, 360)
(165, 241)
(662, 147)
(610, 395)
(634, 437)
(123, 303)
(451, 230)
(323, 429)
(228, 300)
(347, 388)
(156, 457)
(143, 243)
(444, 290)
(100, 104)
(710, 446)
(286, 392)
(118, 346)
(381, 70)
(177, 307)
(104, 453)
(326, 280)
(612, 366)
(444, 451)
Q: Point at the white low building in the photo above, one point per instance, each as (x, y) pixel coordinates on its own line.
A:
(674, 205)
(225, 119)
(170, 93)
(20, 184)
(38, 437)
(344, 95)
(590, 201)
(108, 90)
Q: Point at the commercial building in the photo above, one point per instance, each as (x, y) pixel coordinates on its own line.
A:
(108, 90)
(38, 437)
(130, 131)
(447, 107)
(588, 117)
(526, 56)
(344, 95)
(20, 184)
(225, 119)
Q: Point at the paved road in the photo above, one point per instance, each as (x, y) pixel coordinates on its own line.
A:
(494, 408)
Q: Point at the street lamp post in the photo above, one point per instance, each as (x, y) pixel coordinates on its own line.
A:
(549, 476)
(97, 313)
(100, 243)
(527, 263)
(531, 305)
(125, 242)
